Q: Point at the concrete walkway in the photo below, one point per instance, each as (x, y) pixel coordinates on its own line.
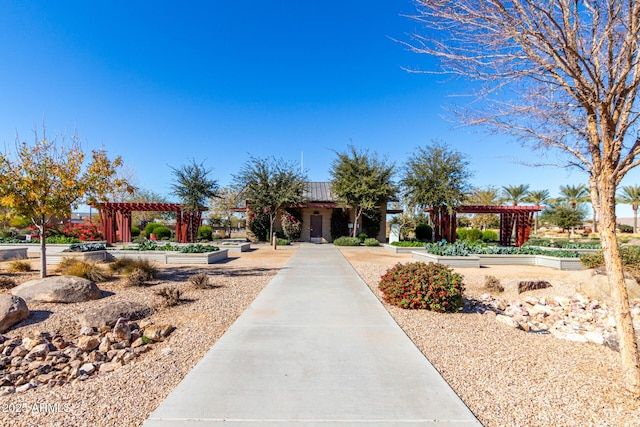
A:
(315, 348)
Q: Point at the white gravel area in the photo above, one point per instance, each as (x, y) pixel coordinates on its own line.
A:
(509, 377)
(127, 396)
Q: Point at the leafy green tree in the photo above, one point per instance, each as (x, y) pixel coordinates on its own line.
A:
(361, 180)
(631, 196)
(46, 180)
(562, 75)
(270, 184)
(537, 197)
(515, 194)
(436, 177)
(565, 216)
(194, 188)
(223, 206)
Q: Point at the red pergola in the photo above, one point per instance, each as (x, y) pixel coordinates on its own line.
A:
(115, 219)
(513, 219)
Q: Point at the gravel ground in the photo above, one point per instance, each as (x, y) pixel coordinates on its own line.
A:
(127, 396)
(509, 377)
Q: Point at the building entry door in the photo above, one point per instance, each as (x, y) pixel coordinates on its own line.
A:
(316, 228)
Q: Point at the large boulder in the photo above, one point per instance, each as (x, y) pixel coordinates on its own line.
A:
(595, 285)
(13, 309)
(108, 314)
(65, 289)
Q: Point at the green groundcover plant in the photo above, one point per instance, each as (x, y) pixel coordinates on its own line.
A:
(422, 285)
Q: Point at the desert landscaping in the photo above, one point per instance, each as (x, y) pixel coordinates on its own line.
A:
(507, 376)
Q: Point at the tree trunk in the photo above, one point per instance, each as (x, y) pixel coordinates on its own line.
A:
(604, 193)
(358, 214)
(43, 248)
(635, 219)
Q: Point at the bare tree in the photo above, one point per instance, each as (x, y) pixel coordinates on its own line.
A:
(560, 74)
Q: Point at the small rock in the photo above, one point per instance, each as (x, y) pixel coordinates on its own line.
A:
(40, 350)
(88, 343)
(121, 330)
(109, 367)
(19, 351)
(87, 330)
(87, 369)
(23, 388)
(509, 321)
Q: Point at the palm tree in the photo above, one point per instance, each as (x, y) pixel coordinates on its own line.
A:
(537, 197)
(575, 194)
(514, 194)
(486, 196)
(631, 196)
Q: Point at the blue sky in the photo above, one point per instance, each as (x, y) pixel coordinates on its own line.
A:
(161, 83)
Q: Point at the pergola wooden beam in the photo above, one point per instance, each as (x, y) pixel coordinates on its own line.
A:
(116, 217)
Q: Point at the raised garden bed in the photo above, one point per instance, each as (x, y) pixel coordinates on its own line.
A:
(476, 261)
(172, 257)
(402, 249)
(470, 261)
(56, 257)
(234, 246)
(13, 253)
(34, 248)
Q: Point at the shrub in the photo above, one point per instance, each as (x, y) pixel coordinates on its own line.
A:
(150, 227)
(423, 286)
(137, 277)
(162, 232)
(424, 232)
(362, 237)
(170, 295)
(83, 232)
(128, 266)
(7, 282)
(282, 242)
(630, 257)
(371, 242)
(258, 224)
(196, 249)
(19, 266)
(347, 241)
(81, 268)
(135, 231)
(62, 240)
(205, 233)
(200, 281)
(625, 228)
(489, 236)
(462, 233)
(492, 283)
(408, 244)
(291, 226)
(474, 235)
